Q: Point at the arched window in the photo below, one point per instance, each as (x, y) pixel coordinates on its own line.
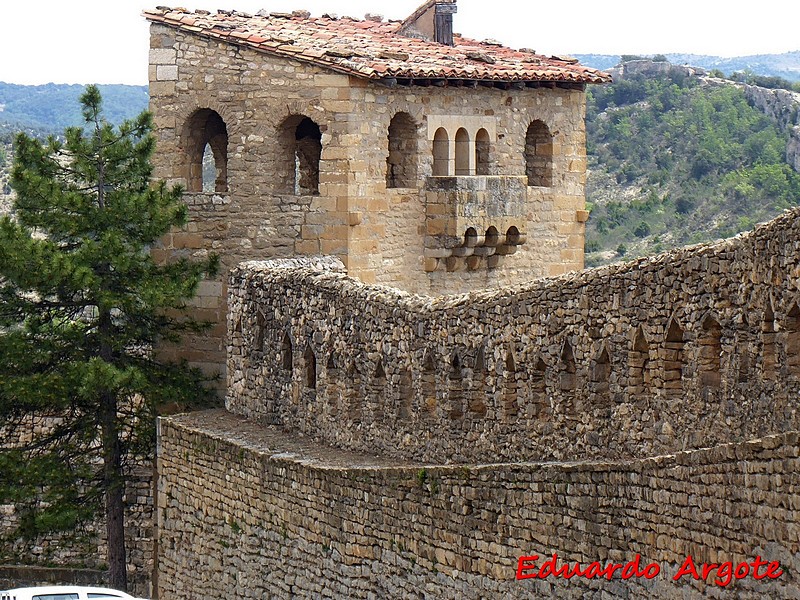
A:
(456, 388)
(639, 365)
(462, 152)
(401, 164)
(300, 153)
(441, 153)
(482, 152)
(710, 353)
(673, 360)
(205, 141)
(286, 352)
(539, 155)
(310, 361)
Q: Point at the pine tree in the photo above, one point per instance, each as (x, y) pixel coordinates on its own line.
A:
(82, 309)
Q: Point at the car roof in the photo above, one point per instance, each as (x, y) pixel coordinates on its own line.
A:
(64, 589)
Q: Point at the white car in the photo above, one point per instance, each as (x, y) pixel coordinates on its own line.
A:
(64, 592)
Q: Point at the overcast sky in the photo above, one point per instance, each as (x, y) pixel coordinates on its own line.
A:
(105, 41)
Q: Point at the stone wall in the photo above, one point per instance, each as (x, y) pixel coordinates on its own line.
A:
(250, 108)
(249, 512)
(692, 348)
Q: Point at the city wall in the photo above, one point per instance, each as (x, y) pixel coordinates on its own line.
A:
(693, 348)
(247, 511)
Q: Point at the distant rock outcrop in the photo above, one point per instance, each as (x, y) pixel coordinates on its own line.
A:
(782, 106)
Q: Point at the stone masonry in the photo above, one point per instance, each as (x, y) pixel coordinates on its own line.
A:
(432, 185)
(648, 408)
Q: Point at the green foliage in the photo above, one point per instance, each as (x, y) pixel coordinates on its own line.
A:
(693, 157)
(53, 107)
(82, 304)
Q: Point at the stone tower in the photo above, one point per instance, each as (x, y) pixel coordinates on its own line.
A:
(423, 160)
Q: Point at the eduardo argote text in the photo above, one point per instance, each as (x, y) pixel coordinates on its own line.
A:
(722, 574)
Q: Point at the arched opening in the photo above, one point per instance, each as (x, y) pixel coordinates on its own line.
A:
(377, 391)
(456, 388)
(401, 164)
(310, 361)
(673, 359)
(462, 152)
(538, 387)
(510, 392)
(539, 155)
(709, 359)
(513, 236)
(405, 395)
(300, 143)
(639, 365)
(477, 397)
(441, 153)
(286, 353)
(482, 146)
(258, 338)
(601, 375)
(205, 141)
(492, 237)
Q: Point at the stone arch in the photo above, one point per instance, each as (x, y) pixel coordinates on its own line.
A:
(441, 153)
(456, 388)
(462, 152)
(258, 337)
(709, 359)
(639, 364)
(510, 388)
(300, 152)
(673, 361)
(428, 381)
(477, 399)
(287, 360)
(377, 390)
(491, 237)
(539, 154)
(401, 162)
(568, 379)
(405, 394)
(205, 136)
(482, 150)
(538, 387)
(601, 375)
(310, 366)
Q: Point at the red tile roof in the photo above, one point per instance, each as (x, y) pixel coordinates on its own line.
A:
(374, 50)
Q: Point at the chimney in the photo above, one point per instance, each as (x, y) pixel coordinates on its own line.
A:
(432, 21)
(443, 26)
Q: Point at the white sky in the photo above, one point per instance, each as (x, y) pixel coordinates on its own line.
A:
(106, 41)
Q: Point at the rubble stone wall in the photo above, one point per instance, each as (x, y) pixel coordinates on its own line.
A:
(692, 348)
(249, 512)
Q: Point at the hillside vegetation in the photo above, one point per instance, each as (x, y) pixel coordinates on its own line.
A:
(784, 66)
(675, 160)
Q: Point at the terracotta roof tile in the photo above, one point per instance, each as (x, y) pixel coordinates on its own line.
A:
(374, 49)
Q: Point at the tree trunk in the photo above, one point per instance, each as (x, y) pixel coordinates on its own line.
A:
(113, 482)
